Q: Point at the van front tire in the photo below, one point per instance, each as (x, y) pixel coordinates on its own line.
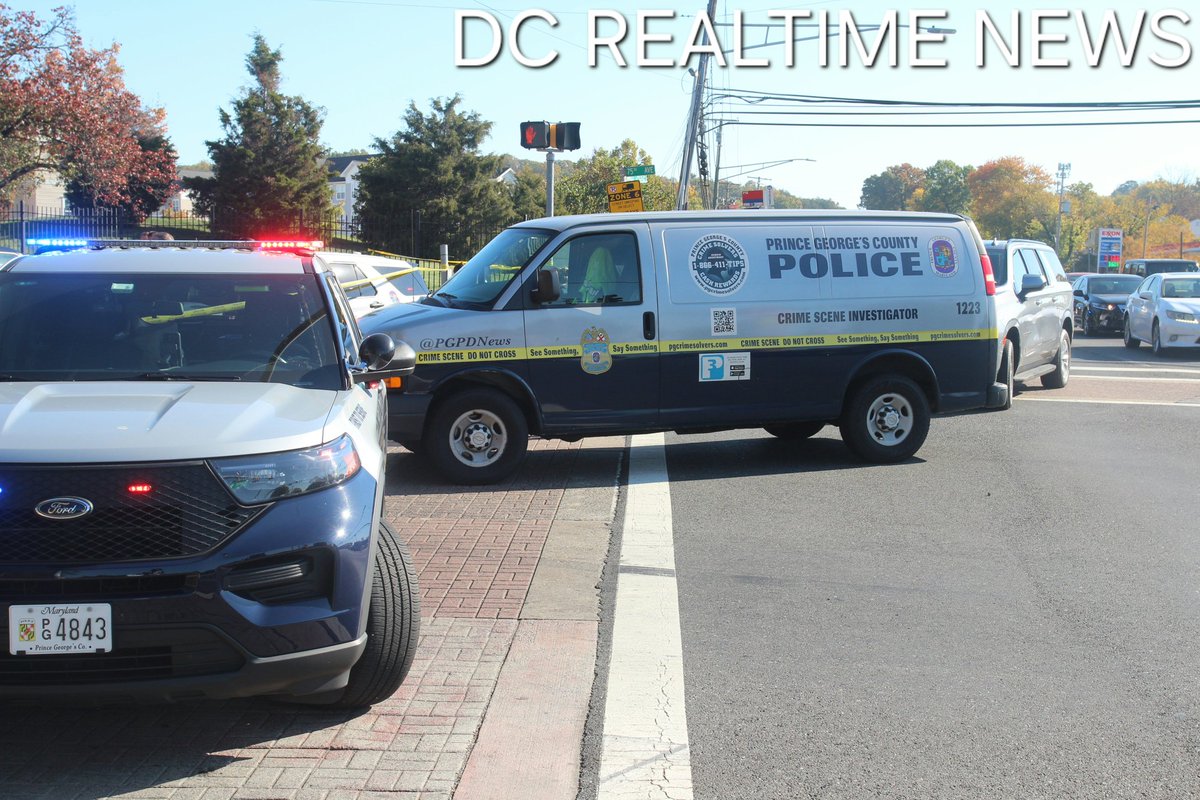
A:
(476, 437)
(886, 420)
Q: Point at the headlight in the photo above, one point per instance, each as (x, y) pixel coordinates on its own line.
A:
(261, 479)
(1181, 316)
(1098, 306)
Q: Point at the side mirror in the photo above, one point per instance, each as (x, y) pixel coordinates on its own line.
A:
(1030, 283)
(1145, 295)
(377, 351)
(1079, 293)
(549, 286)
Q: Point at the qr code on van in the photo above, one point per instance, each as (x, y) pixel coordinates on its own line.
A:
(724, 322)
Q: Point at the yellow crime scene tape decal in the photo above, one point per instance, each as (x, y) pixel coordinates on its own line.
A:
(703, 345)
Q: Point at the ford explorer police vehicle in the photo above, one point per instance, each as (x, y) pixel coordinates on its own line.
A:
(191, 479)
(698, 321)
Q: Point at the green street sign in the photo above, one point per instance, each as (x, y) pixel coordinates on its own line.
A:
(639, 172)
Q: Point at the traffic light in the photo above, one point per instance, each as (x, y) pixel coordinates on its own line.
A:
(535, 135)
(550, 136)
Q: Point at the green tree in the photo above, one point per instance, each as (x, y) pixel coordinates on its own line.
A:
(269, 175)
(945, 189)
(529, 192)
(892, 189)
(1012, 199)
(1088, 211)
(434, 167)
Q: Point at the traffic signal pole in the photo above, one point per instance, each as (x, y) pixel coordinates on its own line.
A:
(549, 183)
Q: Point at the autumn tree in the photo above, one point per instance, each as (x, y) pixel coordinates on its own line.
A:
(945, 189)
(434, 166)
(268, 168)
(583, 191)
(892, 189)
(147, 186)
(65, 108)
(1011, 198)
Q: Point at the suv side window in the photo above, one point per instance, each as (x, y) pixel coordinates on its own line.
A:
(598, 269)
(1052, 266)
(1029, 265)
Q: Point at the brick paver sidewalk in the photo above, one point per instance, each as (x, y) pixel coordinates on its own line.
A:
(475, 552)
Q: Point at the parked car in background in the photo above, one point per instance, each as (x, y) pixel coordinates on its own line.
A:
(1033, 312)
(375, 282)
(1100, 302)
(192, 466)
(1164, 311)
(1152, 266)
(1074, 276)
(7, 256)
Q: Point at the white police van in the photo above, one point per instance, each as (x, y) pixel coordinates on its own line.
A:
(697, 321)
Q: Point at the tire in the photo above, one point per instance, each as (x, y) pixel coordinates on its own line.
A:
(393, 626)
(1156, 344)
(1130, 342)
(1005, 375)
(477, 436)
(886, 419)
(794, 431)
(1062, 364)
(411, 445)
(1088, 328)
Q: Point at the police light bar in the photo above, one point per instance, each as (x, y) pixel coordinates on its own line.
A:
(56, 242)
(276, 244)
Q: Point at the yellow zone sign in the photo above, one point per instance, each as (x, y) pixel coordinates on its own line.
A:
(625, 196)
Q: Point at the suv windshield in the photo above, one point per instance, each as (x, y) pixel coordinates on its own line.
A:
(109, 326)
(481, 280)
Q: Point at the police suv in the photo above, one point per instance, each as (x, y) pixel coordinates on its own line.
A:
(191, 479)
(698, 321)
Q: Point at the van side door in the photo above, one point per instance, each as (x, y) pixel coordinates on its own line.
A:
(593, 351)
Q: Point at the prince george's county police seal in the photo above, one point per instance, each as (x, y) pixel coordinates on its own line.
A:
(718, 265)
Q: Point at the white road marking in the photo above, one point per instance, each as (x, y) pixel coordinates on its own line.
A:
(1131, 378)
(645, 753)
(1178, 370)
(1105, 402)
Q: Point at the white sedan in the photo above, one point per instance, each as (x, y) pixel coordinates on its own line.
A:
(374, 282)
(1164, 310)
(7, 256)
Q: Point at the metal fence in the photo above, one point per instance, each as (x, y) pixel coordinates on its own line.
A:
(405, 235)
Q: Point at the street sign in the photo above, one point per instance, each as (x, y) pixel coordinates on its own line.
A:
(1109, 246)
(639, 172)
(625, 196)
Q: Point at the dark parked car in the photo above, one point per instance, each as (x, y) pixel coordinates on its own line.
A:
(1100, 302)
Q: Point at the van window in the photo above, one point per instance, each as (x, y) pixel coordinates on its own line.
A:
(354, 281)
(1165, 265)
(597, 269)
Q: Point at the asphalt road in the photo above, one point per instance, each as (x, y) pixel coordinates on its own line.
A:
(1012, 614)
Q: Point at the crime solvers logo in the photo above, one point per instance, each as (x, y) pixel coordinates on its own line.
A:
(718, 265)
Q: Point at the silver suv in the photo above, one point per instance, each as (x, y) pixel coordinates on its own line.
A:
(1033, 313)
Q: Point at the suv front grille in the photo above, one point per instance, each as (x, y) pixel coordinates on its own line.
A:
(186, 511)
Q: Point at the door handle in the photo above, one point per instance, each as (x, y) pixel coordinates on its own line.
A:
(376, 304)
(648, 331)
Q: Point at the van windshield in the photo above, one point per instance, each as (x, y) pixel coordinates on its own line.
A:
(480, 281)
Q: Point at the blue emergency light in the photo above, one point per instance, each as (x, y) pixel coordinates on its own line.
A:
(56, 242)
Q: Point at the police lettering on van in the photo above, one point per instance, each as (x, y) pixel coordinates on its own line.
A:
(789, 321)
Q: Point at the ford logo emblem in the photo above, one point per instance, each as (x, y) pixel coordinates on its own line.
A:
(63, 508)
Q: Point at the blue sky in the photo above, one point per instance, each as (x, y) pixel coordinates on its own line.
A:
(363, 61)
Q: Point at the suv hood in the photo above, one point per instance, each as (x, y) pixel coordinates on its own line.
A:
(93, 422)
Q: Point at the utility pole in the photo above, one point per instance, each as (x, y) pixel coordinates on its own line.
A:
(549, 183)
(1063, 171)
(693, 123)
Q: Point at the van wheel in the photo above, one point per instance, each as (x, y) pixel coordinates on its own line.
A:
(477, 436)
(795, 431)
(1062, 364)
(886, 420)
(393, 626)
(1005, 375)
(1130, 341)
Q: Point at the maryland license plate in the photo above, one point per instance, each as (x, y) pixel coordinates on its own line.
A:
(48, 629)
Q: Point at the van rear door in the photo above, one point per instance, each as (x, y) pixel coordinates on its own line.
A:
(593, 352)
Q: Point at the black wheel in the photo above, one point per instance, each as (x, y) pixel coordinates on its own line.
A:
(1005, 375)
(1130, 341)
(1088, 328)
(886, 419)
(477, 436)
(1062, 364)
(393, 626)
(795, 431)
(1156, 340)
